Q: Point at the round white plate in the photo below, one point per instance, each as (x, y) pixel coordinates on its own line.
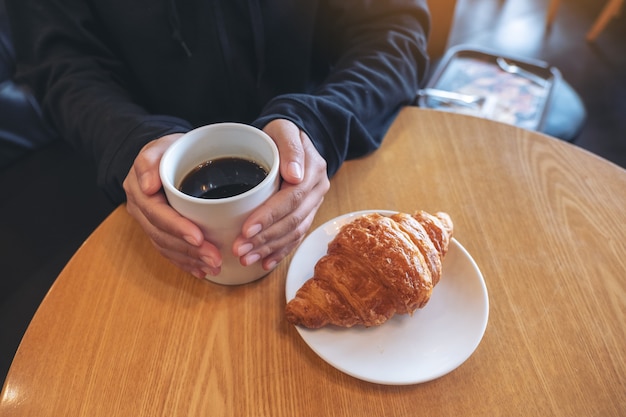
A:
(406, 349)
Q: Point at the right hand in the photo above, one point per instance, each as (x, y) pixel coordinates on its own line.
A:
(175, 237)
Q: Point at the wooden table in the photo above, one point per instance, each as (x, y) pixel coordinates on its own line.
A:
(124, 333)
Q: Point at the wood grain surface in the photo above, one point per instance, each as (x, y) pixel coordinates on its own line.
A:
(124, 333)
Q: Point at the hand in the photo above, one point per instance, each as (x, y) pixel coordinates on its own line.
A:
(272, 231)
(176, 238)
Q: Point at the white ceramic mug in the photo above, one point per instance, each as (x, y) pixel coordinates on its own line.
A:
(221, 219)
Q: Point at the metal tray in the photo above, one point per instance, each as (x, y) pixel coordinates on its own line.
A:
(487, 90)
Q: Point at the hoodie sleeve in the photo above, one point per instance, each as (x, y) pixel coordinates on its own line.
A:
(93, 67)
(379, 59)
(83, 87)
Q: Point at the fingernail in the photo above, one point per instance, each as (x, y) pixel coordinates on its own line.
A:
(250, 259)
(271, 265)
(253, 231)
(210, 271)
(243, 249)
(191, 240)
(295, 170)
(198, 274)
(209, 261)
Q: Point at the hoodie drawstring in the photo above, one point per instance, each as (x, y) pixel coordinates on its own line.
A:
(258, 34)
(174, 21)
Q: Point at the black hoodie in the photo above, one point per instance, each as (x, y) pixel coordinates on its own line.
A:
(112, 75)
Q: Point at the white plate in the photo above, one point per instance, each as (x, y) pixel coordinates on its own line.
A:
(406, 349)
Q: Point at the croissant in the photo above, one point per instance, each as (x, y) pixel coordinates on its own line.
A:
(375, 267)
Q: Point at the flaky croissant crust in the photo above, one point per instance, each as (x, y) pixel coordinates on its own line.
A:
(375, 267)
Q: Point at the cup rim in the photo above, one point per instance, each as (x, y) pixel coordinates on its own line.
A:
(267, 181)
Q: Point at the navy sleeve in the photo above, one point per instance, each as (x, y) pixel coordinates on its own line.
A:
(84, 88)
(380, 59)
(107, 92)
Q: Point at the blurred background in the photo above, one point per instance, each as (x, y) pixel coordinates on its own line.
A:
(596, 70)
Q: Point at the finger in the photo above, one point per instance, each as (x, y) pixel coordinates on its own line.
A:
(146, 164)
(191, 264)
(156, 216)
(169, 232)
(268, 213)
(256, 229)
(287, 137)
(180, 250)
(304, 197)
(274, 229)
(274, 243)
(273, 254)
(283, 235)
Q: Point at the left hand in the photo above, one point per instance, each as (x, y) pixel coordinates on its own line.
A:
(273, 230)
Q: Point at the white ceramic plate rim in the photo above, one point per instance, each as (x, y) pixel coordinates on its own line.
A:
(406, 349)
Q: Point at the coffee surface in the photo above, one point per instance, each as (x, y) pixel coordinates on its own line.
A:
(222, 178)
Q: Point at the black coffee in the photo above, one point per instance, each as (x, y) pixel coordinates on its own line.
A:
(222, 178)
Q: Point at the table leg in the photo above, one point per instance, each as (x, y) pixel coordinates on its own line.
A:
(553, 7)
(611, 9)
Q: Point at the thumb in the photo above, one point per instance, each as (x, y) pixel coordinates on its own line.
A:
(147, 163)
(287, 137)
